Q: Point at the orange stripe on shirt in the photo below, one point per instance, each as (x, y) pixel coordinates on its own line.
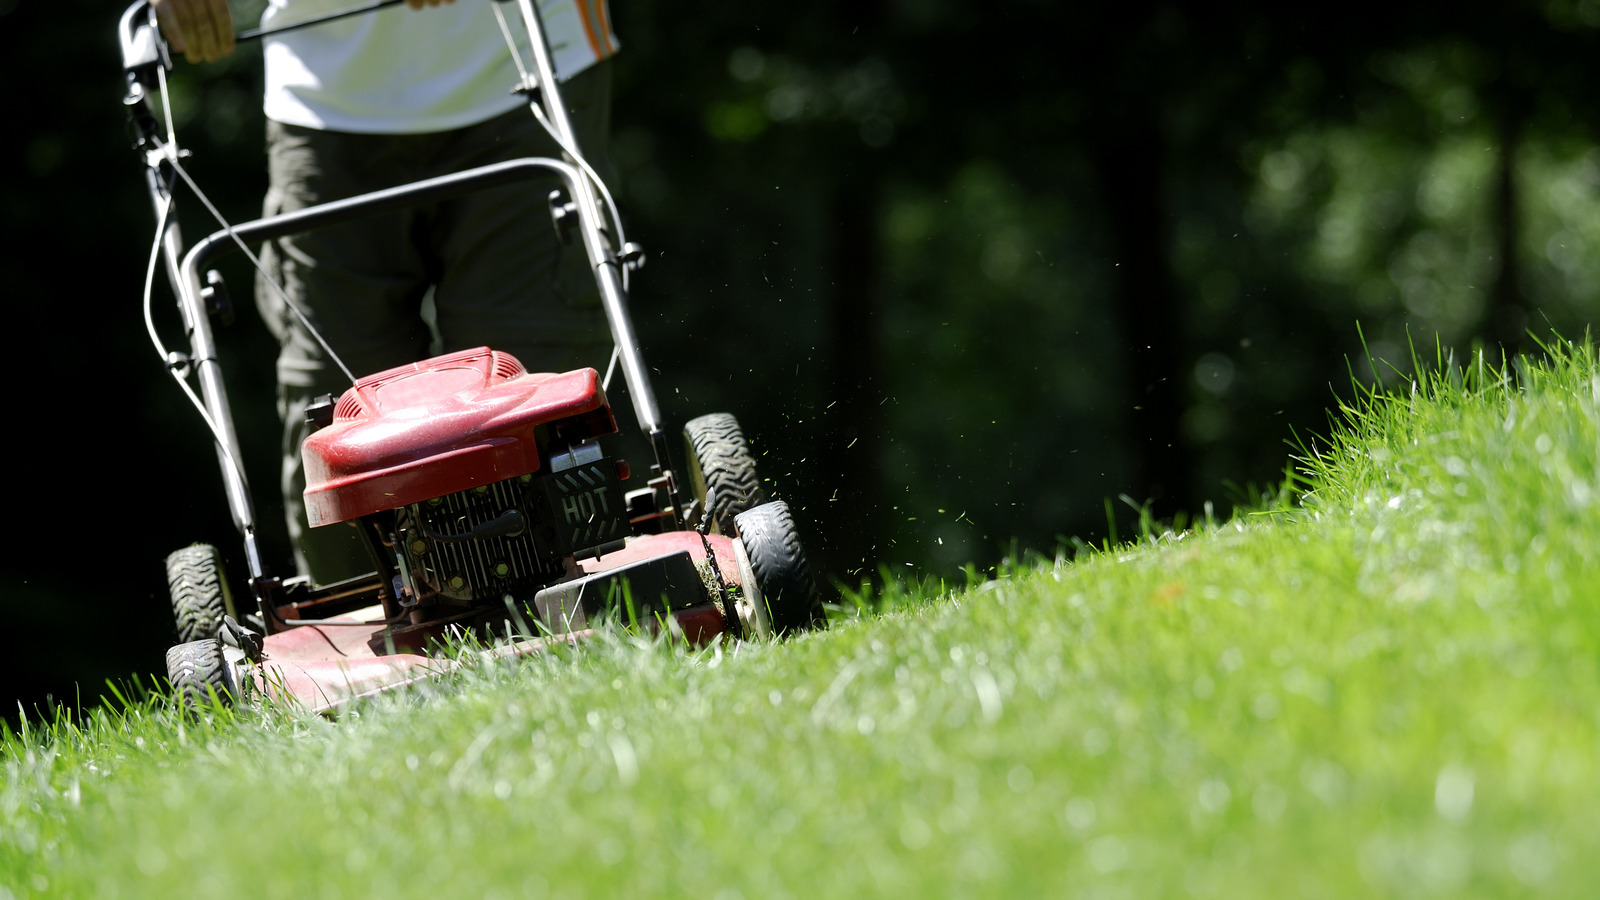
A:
(604, 10)
(588, 30)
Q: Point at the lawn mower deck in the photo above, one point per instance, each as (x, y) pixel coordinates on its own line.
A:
(323, 667)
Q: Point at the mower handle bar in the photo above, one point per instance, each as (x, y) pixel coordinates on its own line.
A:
(130, 35)
(605, 263)
(251, 34)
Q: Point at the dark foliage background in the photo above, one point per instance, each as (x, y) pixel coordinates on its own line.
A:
(963, 270)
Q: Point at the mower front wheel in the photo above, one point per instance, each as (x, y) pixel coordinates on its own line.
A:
(779, 582)
(722, 470)
(199, 592)
(199, 672)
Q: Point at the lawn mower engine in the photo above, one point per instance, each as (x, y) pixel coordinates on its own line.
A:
(478, 486)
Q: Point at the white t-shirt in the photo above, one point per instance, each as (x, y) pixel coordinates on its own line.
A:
(409, 71)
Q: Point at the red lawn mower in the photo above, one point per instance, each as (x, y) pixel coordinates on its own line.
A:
(486, 494)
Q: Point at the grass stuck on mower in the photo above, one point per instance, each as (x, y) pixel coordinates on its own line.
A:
(485, 494)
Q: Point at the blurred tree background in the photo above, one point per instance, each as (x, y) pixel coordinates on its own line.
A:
(963, 270)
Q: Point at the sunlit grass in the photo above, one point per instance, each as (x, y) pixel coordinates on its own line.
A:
(1388, 689)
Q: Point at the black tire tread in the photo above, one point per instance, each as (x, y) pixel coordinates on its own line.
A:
(721, 466)
(198, 590)
(197, 669)
(783, 575)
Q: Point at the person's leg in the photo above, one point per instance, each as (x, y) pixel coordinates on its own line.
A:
(360, 284)
(507, 281)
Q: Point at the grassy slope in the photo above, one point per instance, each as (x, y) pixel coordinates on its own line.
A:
(1391, 690)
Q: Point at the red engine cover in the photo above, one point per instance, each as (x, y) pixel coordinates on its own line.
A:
(437, 427)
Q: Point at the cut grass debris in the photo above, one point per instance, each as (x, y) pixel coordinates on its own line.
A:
(1389, 689)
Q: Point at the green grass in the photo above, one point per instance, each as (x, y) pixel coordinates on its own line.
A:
(1388, 689)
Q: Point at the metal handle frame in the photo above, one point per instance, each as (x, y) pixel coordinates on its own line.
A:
(145, 52)
(608, 272)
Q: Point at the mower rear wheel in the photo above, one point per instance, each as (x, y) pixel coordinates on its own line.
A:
(198, 672)
(722, 469)
(199, 592)
(780, 576)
